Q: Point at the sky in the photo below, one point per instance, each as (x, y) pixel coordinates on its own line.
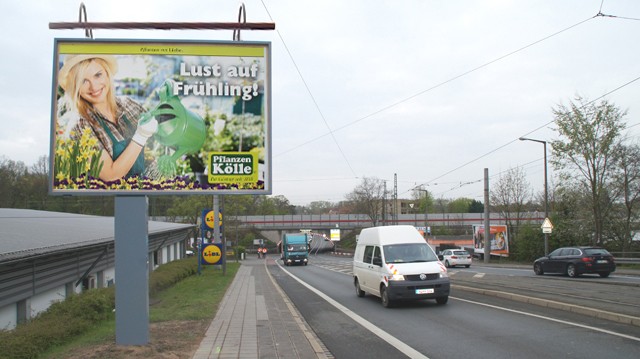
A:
(420, 93)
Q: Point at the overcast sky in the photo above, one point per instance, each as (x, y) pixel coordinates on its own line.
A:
(433, 91)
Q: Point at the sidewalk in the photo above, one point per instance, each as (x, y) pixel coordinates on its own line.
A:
(256, 320)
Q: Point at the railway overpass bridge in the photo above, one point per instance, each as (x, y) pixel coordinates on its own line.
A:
(358, 221)
(273, 226)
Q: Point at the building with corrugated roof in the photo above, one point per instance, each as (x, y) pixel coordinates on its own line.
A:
(47, 256)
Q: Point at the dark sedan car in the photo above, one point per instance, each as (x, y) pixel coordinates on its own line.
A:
(574, 261)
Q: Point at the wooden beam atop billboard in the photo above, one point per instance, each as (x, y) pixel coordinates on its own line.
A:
(163, 25)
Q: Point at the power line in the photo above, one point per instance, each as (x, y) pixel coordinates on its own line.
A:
(613, 16)
(528, 133)
(306, 86)
(406, 99)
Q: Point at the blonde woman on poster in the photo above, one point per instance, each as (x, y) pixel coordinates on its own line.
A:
(120, 125)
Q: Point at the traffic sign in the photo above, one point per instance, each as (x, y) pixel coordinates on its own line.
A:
(547, 226)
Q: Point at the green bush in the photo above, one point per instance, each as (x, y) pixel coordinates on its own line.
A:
(171, 273)
(78, 313)
(529, 244)
(59, 323)
(239, 251)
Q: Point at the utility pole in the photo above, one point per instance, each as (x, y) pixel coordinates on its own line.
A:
(395, 198)
(487, 222)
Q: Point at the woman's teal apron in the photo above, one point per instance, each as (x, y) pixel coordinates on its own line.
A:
(119, 147)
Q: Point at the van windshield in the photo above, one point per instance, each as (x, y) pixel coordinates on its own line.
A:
(408, 253)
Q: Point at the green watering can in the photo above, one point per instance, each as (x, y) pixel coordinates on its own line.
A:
(178, 128)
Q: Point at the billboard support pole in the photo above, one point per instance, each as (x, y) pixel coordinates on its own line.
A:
(487, 223)
(132, 270)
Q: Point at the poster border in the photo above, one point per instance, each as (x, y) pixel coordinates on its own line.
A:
(84, 43)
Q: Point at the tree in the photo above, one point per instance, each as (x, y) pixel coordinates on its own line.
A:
(281, 205)
(189, 208)
(627, 182)
(12, 175)
(37, 185)
(424, 199)
(590, 134)
(442, 205)
(509, 196)
(367, 198)
(476, 207)
(572, 218)
(320, 207)
(459, 205)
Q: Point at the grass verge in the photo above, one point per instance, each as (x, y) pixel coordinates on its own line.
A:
(182, 306)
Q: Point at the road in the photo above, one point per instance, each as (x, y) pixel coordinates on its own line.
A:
(472, 324)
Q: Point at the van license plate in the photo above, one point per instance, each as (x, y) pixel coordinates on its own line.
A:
(424, 291)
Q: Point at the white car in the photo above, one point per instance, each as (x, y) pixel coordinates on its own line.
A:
(456, 257)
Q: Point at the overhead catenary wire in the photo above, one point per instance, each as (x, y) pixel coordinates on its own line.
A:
(315, 103)
(406, 99)
(526, 134)
(411, 97)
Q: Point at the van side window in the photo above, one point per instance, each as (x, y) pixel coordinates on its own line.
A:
(377, 256)
(368, 254)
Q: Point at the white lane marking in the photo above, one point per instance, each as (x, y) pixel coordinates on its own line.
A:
(393, 341)
(515, 311)
(478, 275)
(551, 319)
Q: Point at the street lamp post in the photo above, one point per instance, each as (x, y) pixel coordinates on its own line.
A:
(546, 193)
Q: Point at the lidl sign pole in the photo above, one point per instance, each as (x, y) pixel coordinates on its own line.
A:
(207, 231)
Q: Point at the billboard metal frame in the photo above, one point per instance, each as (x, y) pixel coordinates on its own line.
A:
(215, 81)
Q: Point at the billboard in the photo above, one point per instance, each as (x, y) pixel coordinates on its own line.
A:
(160, 117)
(499, 239)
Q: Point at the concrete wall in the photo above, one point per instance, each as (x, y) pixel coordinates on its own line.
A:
(34, 304)
(8, 315)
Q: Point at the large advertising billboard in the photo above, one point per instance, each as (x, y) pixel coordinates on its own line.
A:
(498, 239)
(160, 117)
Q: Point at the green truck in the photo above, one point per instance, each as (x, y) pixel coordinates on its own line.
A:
(294, 248)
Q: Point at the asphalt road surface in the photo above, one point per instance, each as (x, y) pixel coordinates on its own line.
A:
(471, 324)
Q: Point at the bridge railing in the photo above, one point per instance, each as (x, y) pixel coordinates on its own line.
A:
(350, 221)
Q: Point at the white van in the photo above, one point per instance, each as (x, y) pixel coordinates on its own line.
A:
(396, 263)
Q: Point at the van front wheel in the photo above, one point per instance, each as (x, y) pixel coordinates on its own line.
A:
(442, 300)
(384, 297)
(359, 291)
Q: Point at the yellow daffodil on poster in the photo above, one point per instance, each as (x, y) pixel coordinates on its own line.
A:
(76, 161)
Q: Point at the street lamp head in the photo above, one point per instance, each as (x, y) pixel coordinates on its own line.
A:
(532, 139)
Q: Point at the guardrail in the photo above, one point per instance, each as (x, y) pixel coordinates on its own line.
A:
(627, 257)
(627, 260)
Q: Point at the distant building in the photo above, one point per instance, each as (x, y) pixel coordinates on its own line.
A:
(47, 256)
